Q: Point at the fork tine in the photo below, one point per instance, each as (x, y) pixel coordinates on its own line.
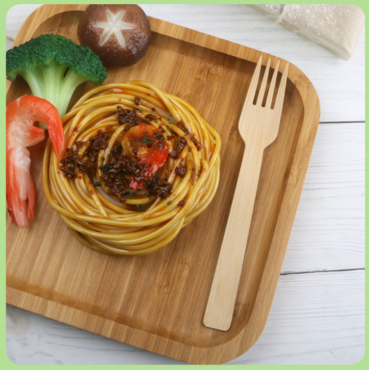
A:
(261, 93)
(281, 92)
(253, 86)
(272, 86)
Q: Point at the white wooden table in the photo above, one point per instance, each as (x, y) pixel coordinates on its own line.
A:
(318, 314)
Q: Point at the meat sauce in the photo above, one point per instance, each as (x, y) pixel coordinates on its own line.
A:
(178, 147)
(187, 133)
(119, 169)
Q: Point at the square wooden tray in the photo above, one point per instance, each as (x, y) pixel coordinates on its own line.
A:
(157, 302)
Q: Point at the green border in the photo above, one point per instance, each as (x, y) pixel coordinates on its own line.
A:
(7, 364)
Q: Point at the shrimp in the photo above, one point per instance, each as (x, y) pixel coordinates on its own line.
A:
(21, 114)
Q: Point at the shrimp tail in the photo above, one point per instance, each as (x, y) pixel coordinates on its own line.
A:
(20, 193)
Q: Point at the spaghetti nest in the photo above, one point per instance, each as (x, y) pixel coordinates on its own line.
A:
(140, 165)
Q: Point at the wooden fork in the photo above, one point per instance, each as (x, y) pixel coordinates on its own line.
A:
(258, 126)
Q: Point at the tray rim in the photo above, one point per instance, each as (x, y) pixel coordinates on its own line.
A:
(238, 344)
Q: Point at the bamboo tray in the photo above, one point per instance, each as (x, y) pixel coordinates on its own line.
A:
(157, 302)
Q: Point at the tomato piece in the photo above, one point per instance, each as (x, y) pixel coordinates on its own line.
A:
(145, 144)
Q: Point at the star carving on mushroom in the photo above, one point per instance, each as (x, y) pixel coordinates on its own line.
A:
(114, 25)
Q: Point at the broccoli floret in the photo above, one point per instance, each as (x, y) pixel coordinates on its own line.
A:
(53, 67)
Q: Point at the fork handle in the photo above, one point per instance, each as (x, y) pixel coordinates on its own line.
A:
(221, 301)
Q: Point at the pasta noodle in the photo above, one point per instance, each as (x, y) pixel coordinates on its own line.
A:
(141, 221)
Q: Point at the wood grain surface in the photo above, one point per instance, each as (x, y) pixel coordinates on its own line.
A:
(322, 326)
(157, 302)
(328, 233)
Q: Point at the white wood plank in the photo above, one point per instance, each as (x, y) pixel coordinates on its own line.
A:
(340, 84)
(15, 18)
(329, 227)
(316, 318)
